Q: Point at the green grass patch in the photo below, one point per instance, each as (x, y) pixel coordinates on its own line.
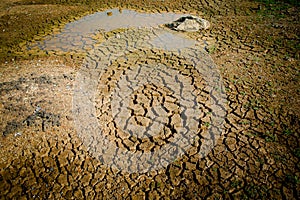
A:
(291, 2)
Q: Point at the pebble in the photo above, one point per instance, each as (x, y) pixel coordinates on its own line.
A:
(18, 134)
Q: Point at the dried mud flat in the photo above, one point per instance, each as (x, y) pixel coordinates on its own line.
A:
(257, 155)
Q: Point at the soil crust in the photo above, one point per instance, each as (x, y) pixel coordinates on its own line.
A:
(255, 45)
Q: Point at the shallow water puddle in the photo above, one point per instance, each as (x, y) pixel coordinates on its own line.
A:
(78, 35)
(168, 41)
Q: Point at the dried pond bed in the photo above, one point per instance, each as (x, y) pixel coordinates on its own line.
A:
(257, 156)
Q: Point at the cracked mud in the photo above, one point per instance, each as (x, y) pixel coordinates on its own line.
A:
(255, 157)
(140, 62)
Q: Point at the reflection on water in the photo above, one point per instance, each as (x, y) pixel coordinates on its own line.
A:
(78, 35)
(168, 41)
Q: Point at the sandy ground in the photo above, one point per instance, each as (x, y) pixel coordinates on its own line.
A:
(256, 50)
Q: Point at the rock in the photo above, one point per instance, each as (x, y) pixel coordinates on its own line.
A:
(189, 24)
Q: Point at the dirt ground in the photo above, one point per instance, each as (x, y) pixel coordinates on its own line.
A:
(255, 45)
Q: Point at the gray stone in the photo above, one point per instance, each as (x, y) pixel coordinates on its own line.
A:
(189, 24)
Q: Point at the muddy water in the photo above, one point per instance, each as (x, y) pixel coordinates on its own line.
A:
(78, 35)
(166, 42)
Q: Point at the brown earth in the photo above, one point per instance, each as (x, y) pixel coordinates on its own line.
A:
(256, 48)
